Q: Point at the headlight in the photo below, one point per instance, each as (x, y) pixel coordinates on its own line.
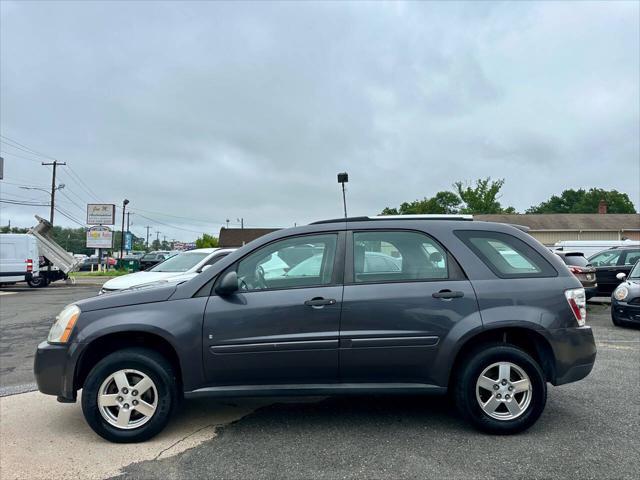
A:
(621, 293)
(62, 327)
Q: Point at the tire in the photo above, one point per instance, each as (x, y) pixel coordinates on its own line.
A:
(615, 320)
(137, 363)
(468, 394)
(38, 282)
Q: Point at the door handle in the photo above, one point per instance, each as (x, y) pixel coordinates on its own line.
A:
(447, 294)
(320, 302)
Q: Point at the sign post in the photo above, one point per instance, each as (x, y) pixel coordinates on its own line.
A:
(100, 237)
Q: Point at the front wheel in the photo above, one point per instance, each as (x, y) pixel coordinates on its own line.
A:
(500, 389)
(129, 395)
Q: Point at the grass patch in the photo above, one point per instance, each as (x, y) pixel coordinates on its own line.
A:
(110, 273)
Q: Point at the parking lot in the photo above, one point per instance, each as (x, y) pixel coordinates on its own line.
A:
(589, 429)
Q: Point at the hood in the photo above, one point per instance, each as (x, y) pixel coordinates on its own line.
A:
(134, 296)
(142, 278)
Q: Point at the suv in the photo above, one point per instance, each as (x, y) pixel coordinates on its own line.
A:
(475, 308)
(582, 269)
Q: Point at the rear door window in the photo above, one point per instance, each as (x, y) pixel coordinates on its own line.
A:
(506, 255)
(396, 256)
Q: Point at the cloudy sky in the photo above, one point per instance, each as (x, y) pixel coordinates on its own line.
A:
(198, 112)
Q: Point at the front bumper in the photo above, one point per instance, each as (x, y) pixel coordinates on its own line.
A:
(575, 352)
(51, 369)
(627, 312)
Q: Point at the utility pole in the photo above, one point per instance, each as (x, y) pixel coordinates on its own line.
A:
(157, 236)
(55, 164)
(241, 220)
(148, 227)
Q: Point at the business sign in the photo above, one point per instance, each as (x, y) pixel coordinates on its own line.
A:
(128, 241)
(99, 237)
(101, 214)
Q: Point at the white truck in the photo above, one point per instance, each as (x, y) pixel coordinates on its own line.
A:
(591, 247)
(44, 260)
(18, 258)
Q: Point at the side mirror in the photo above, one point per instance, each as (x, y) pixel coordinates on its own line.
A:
(205, 267)
(228, 284)
(621, 276)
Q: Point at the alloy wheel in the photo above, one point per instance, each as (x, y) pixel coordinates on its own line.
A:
(503, 391)
(127, 399)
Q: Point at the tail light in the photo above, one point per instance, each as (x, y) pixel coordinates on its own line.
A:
(575, 270)
(578, 303)
(29, 262)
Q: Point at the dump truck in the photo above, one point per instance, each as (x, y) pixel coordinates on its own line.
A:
(56, 263)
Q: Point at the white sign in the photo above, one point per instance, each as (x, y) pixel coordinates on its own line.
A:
(99, 237)
(101, 214)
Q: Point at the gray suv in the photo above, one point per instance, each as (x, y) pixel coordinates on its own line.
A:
(480, 310)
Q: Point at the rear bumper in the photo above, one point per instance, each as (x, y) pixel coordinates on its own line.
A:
(50, 369)
(575, 352)
(591, 291)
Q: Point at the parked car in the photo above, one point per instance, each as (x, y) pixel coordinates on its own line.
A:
(582, 269)
(150, 259)
(610, 263)
(91, 263)
(19, 258)
(178, 268)
(625, 300)
(492, 317)
(591, 247)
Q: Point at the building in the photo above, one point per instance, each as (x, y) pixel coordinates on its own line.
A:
(237, 237)
(549, 228)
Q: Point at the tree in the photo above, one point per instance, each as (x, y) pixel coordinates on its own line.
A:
(585, 201)
(442, 202)
(207, 241)
(483, 197)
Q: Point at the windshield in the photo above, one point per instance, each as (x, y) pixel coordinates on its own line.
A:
(180, 263)
(635, 273)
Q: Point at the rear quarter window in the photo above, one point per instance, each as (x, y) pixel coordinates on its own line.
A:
(505, 255)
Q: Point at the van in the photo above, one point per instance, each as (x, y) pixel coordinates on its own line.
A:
(591, 247)
(19, 258)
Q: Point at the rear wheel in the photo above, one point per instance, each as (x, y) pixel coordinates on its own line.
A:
(38, 282)
(500, 389)
(129, 395)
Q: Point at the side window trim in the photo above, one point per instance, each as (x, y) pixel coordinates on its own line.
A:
(456, 273)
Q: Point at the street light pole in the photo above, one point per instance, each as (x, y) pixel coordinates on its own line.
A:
(343, 178)
(124, 206)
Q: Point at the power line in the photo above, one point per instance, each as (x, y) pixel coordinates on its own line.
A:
(69, 216)
(168, 225)
(22, 202)
(19, 156)
(25, 148)
(79, 179)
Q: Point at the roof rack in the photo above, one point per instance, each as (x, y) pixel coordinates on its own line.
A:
(397, 217)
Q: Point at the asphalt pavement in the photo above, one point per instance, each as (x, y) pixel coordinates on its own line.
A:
(589, 428)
